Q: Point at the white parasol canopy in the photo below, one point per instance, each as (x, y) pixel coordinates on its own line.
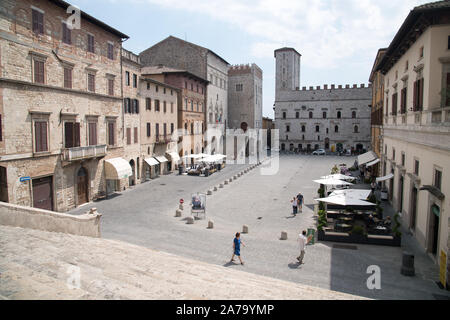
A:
(333, 182)
(388, 177)
(338, 177)
(343, 200)
(354, 193)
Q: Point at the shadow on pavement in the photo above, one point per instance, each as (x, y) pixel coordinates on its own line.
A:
(294, 265)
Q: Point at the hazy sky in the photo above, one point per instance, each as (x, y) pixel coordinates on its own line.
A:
(338, 39)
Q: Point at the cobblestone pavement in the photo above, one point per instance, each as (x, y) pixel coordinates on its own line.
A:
(44, 265)
(145, 216)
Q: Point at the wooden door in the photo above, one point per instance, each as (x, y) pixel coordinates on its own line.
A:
(82, 186)
(43, 193)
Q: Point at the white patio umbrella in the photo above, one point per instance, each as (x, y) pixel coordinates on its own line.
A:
(333, 182)
(345, 201)
(339, 177)
(354, 193)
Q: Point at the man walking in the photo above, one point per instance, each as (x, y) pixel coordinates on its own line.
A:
(303, 241)
(300, 202)
(294, 206)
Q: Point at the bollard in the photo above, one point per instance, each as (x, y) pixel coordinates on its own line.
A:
(284, 235)
(209, 192)
(221, 186)
(215, 188)
(190, 220)
(408, 264)
(244, 228)
(231, 180)
(225, 182)
(178, 213)
(181, 206)
(210, 224)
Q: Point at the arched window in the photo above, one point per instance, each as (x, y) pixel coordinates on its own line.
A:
(356, 129)
(310, 114)
(336, 129)
(353, 114)
(317, 129)
(324, 114)
(303, 129)
(339, 114)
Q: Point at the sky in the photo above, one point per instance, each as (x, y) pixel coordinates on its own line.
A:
(338, 39)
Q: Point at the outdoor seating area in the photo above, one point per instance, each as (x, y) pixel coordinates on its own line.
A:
(202, 164)
(352, 215)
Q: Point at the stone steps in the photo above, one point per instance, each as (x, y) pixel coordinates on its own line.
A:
(35, 264)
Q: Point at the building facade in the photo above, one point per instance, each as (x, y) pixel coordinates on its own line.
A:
(416, 128)
(191, 102)
(60, 106)
(245, 97)
(377, 81)
(201, 62)
(132, 111)
(331, 118)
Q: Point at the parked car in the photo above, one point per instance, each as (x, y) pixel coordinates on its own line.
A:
(319, 152)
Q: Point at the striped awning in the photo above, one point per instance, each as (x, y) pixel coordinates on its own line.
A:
(151, 161)
(173, 156)
(366, 157)
(161, 159)
(117, 168)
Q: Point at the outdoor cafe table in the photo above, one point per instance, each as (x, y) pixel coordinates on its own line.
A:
(343, 227)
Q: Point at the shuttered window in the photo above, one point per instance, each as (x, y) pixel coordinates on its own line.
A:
(403, 101)
(111, 135)
(128, 135)
(394, 104)
(148, 104)
(135, 135)
(38, 71)
(38, 21)
(40, 136)
(66, 34)
(148, 129)
(111, 87)
(90, 39)
(68, 78)
(156, 105)
(111, 51)
(92, 133)
(72, 134)
(91, 82)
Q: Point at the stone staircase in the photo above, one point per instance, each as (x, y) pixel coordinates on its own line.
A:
(39, 265)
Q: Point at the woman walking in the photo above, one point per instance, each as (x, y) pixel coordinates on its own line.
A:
(237, 247)
(294, 205)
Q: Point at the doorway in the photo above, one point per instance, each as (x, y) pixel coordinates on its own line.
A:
(3, 185)
(400, 194)
(413, 209)
(131, 180)
(82, 186)
(435, 215)
(43, 193)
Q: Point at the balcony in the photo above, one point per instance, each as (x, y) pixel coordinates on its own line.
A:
(81, 153)
(163, 139)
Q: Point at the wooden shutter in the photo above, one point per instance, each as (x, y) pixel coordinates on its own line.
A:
(135, 134)
(76, 134)
(421, 94)
(111, 133)
(137, 106)
(38, 71)
(1, 131)
(92, 134)
(41, 136)
(111, 87)
(37, 136)
(148, 129)
(38, 21)
(68, 134)
(402, 101)
(128, 135)
(415, 96)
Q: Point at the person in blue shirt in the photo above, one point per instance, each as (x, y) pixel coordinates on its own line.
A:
(237, 248)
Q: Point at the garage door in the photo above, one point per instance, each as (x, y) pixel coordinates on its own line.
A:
(43, 193)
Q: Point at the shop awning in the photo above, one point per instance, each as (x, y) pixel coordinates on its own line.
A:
(354, 193)
(117, 168)
(343, 200)
(366, 157)
(372, 163)
(333, 182)
(173, 156)
(151, 161)
(388, 177)
(161, 159)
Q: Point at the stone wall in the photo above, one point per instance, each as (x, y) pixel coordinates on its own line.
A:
(24, 217)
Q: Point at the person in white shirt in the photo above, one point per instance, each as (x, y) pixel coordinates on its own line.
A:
(303, 241)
